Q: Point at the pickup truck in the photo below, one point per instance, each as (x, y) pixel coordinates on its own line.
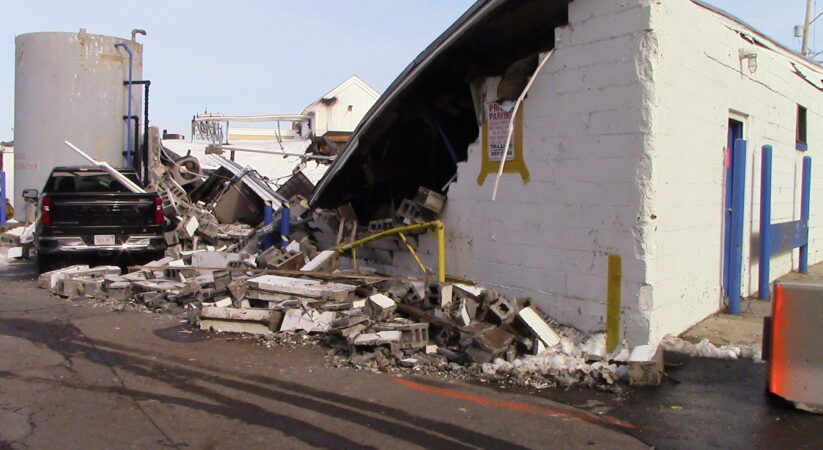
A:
(86, 213)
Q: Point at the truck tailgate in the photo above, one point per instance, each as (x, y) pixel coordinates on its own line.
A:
(128, 212)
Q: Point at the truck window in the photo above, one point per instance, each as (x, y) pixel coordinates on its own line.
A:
(85, 181)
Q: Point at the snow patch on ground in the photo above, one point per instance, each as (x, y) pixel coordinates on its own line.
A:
(706, 349)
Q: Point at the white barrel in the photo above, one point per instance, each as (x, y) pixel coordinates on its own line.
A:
(69, 86)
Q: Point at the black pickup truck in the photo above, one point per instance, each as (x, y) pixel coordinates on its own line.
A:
(86, 213)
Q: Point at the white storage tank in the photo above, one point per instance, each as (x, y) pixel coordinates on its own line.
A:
(69, 86)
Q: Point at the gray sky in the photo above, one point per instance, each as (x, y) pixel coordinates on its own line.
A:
(256, 57)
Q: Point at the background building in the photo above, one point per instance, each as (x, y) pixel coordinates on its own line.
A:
(342, 108)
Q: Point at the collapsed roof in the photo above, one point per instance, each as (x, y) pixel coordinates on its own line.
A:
(422, 126)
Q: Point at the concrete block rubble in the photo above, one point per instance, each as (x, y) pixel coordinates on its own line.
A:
(380, 324)
(20, 236)
(222, 274)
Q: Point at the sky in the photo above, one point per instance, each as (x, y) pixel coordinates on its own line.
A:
(249, 57)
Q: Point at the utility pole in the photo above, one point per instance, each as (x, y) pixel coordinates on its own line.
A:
(804, 49)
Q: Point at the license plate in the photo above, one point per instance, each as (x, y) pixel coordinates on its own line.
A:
(104, 239)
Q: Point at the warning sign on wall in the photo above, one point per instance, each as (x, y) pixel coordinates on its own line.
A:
(495, 130)
(497, 121)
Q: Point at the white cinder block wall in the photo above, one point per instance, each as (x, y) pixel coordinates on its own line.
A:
(625, 130)
(699, 83)
(584, 138)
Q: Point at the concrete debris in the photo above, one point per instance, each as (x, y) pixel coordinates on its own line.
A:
(227, 313)
(503, 310)
(284, 259)
(227, 326)
(380, 307)
(539, 327)
(408, 213)
(213, 259)
(227, 270)
(429, 202)
(189, 227)
(309, 320)
(490, 345)
(53, 280)
(378, 226)
(646, 365)
(325, 261)
(302, 287)
(378, 338)
(223, 303)
(13, 234)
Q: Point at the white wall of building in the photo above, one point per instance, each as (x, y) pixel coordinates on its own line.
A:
(699, 83)
(624, 137)
(584, 140)
(351, 100)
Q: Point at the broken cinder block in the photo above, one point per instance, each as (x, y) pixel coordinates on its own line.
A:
(503, 309)
(408, 213)
(349, 321)
(310, 321)
(188, 228)
(465, 312)
(646, 365)
(49, 280)
(413, 335)
(529, 317)
(378, 338)
(490, 345)
(380, 225)
(301, 287)
(325, 261)
(380, 307)
(430, 202)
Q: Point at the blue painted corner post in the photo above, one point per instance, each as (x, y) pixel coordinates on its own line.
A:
(268, 218)
(804, 210)
(765, 222)
(3, 199)
(736, 235)
(285, 225)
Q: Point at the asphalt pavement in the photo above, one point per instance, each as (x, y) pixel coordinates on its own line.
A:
(707, 403)
(77, 374)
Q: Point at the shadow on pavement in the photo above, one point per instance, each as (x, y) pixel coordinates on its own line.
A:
(69, 341)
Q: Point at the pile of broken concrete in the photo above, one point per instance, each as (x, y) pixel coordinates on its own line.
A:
(372, 322)
(222, 271)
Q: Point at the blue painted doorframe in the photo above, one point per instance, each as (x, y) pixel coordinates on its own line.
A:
(735, 132)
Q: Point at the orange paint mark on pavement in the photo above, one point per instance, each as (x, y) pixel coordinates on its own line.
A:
(513, 405)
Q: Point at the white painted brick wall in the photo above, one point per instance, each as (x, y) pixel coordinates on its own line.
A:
(583, 144)
(698, 80)
(624, 136)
